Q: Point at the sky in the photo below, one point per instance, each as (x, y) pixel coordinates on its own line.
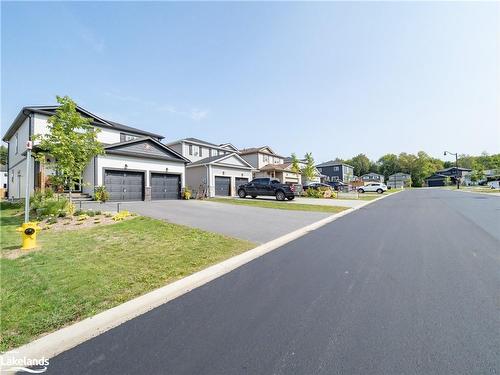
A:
(335, 79)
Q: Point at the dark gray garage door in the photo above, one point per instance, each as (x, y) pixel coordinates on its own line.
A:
(240, 181)
(222, 185)
(124, 185)
(165, 186)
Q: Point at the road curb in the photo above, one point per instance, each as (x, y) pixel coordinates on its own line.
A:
(68, 337)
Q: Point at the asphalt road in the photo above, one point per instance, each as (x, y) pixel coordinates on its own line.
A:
(407, 285)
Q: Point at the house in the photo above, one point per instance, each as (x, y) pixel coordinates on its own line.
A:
(335, 170)
(440, 177)
(372, 177)
(302, 164)
(399, 180)
(213, 169)
(269, 164)
(135, 166)
(3, 177)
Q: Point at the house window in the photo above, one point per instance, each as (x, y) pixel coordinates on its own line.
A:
(266, 159)
(17, 143)
(336, 169)
(201, 151)
(124, 137)
(190, 149)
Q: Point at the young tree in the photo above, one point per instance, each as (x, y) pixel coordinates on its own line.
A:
(3, 155)
(309, 170)
(71, 143)
(295, 164)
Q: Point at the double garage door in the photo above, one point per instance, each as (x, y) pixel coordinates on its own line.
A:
(129, 186)
(223, 185)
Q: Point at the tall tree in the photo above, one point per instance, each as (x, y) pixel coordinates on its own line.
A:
(388, 165)
(360, 163)
(309, 170)
(71, 142)
(295, 164)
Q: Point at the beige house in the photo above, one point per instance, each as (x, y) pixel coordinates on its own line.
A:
(270, 164)
(214, 169)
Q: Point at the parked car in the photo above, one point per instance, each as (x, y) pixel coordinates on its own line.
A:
(374, 187)
(267, 186)
(339, 186)
(316, 185)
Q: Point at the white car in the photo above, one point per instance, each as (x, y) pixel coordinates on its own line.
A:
(374, 187)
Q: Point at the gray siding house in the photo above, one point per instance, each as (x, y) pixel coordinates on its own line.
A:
(334, 170)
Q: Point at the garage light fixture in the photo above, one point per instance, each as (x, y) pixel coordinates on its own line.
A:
(166, 169)
(126, 166)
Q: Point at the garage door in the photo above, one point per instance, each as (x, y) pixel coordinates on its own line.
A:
(240, 181)
(165, 186)
(124, 185)
(222, 185)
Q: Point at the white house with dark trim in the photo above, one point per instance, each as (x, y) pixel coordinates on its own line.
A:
(136, 165)
(214, 169)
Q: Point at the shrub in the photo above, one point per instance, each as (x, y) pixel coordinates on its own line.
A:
(121, 215)
(6, 205)
(52, 220)
(90, 213)
(187, 193)
(45, 203)
(101, 194)
(61, 213)
(107, 214)
(77, 212)
(82, 217)
(97, 212)
(313, 193)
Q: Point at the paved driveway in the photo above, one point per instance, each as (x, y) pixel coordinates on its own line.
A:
(250, 223)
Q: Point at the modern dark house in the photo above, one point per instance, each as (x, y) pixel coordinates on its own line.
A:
(335, 170)
(439, 178)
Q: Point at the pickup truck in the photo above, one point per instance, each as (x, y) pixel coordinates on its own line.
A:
(266, 186)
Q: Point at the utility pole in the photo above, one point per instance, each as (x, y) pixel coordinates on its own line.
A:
(457, 179)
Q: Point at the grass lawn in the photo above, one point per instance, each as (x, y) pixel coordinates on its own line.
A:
(280, 205)
(79, 273)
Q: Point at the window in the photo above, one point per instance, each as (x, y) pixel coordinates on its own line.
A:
(190, 149)
(17, 143)
(124, 137)
(201, 151)
(265, 158)
(336, 169)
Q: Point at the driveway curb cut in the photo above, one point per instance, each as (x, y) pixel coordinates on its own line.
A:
(59, 341)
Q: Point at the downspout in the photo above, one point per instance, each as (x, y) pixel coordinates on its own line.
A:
(208, 185)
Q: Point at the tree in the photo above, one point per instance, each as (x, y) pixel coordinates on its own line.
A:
(71, 143)
(295, 164)
(477, 175)
(388, 165)
(309, 171)
(3, 155)
(360, 163)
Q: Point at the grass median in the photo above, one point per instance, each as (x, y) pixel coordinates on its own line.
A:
(280, 205)
(79, 273)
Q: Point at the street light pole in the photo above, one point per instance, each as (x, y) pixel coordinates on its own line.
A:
(456, 167)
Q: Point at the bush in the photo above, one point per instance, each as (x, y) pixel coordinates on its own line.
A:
(61, 213)
(90, 213)
(187, 193)
(121, 215)
(51, 220)
(313, 193)
(82, 217)
(101, 194)
(46, 203)
(6, 205)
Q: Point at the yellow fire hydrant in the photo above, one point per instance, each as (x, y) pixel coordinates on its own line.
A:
(28, 234)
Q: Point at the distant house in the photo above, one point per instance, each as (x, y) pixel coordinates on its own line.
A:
(399, 180)
(270, 164)
(302, 165)
(4, 176)
(372, 177)
(334, 170)
(440, 177)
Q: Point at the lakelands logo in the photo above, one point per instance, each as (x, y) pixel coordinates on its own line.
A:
(23, 364)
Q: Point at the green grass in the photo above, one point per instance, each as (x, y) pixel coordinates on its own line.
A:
(79, 273)
(280, 205)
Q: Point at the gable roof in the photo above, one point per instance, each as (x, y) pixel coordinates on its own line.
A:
(277, 167)
(96, 121)
(372, 174)
(159, 150)
(262, 150)
(219, 158)
(452, 168)
(331, 163)
(229, 145)
(204, 143)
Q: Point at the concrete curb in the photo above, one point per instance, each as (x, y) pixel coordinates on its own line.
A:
(66, 338)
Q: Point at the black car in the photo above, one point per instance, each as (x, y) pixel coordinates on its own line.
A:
(266, 186)
(338, 186)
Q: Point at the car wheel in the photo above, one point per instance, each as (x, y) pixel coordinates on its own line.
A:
(280, 196)
(241, 193)
(361, 191)
(254, 196)
(380, 191)
(290, 198)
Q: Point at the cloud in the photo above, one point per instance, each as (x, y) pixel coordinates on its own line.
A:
(194, 114)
